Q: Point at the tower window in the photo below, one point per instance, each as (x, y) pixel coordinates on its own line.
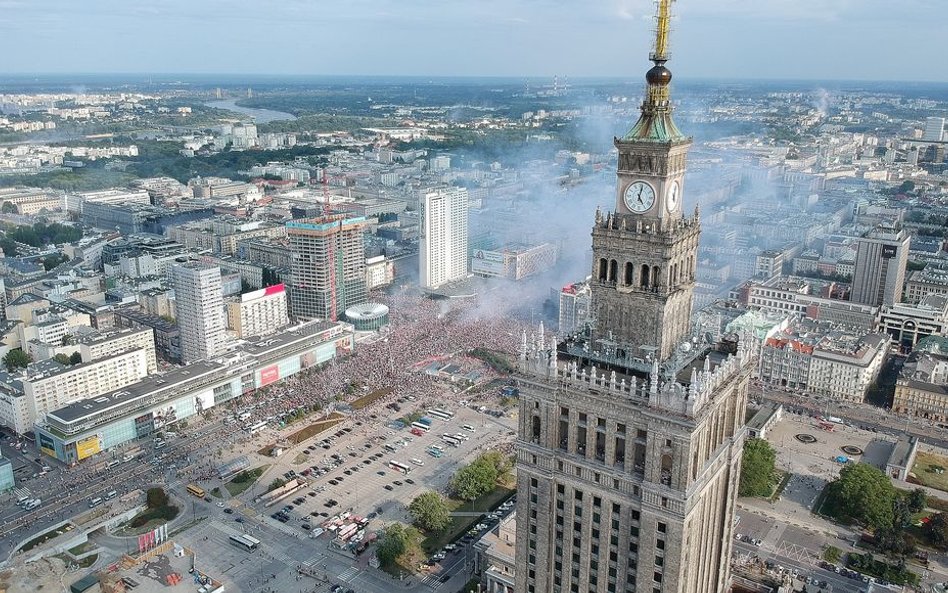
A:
(643, 276)
(603, 269)
(613, 270)
(629, 277)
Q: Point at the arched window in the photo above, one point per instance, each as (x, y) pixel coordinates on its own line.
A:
(613, 270)
(643, 276)
(603, 269)
(629, 273)
(656, 277)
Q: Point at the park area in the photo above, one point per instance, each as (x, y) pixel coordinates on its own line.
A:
(931, 470)
(244, 480)
(315, 428)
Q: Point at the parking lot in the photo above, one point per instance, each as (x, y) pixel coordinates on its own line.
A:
(350, 480)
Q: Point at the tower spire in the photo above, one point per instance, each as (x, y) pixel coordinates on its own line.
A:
(656, 124)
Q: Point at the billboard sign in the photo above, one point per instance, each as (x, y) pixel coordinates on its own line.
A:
(492, 256)
(88, 447)
(486, 267)
(269, 375)
(888, 251)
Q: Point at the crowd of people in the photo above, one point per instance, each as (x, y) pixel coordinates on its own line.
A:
(421, 332)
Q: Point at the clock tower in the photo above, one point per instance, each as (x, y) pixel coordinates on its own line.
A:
(645, 251)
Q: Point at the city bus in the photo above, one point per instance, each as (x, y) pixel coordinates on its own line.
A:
(439, 413)
(451, 440)
(245, 541)
(390, 447)
(254, 429)
(243, 416)
(399, 467)
(196, 491)
(420, 426)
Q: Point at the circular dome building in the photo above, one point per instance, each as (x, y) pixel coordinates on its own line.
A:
(367, 316)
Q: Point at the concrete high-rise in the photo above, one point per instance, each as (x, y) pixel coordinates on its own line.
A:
(444, 236)
(200, 307)
(328, 266)
(631, 429)
(934, 129)
(881, 259)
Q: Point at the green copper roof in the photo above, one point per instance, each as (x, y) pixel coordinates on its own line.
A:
(655, 126)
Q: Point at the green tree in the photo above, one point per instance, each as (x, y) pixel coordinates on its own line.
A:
(757, 468)
(475, 480)
(68, 340)
(277, 483)
(76, 358)
(16, 359)
(937, 530)
(430, 511)
(9, 208)
(62, 359)
(917, 500)
(396, 542)
(156, 498)
(865, 494)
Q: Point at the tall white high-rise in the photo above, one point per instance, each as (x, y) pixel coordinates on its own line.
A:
(934, 129)
(200, 308)
(443, 256)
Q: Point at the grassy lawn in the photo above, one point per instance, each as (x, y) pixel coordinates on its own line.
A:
(315, 428)
(460, 525)
(370, 398)
(42, 539)
(923, 470)
(88, 561)
(81, 548)
(244, 480)
(216, 493)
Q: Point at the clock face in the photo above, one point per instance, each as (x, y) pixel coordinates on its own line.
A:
(673, 198)
(639, 197)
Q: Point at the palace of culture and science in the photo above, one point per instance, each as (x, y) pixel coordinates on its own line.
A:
(631, 431)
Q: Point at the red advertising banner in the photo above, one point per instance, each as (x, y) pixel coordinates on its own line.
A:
(269, 375)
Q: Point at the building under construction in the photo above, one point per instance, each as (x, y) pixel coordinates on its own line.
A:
(328, 265)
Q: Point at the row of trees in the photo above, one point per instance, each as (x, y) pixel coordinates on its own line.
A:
(758, 468)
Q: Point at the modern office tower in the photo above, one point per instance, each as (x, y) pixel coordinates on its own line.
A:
(443, 256)
(328, 266)
(881, 258)
(200, 307)
(631, 432)
(934, 129)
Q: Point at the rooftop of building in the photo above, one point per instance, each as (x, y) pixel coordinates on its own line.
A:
(147, 386)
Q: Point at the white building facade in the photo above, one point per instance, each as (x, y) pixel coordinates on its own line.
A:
(444, 236)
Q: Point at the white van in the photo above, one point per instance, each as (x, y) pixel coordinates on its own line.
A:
(111, 494)
(33, 504)
(468, 428)
(95, 502)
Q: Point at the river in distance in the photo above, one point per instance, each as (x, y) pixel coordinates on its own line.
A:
(260, 116)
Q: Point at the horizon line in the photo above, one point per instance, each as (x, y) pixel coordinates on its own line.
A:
(510, 77)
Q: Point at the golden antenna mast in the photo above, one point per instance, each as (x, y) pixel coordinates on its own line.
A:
(662, 27)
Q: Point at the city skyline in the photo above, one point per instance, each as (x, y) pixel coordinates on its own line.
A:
(732, 39)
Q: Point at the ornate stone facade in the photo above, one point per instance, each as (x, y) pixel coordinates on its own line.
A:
(631, 430)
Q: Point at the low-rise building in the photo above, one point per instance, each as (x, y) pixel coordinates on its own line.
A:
(820, 360)
(86, 427)
(815, 299)
(931, 280)
(495, 563)
(922, 387)
(48, 385)
(907, 323)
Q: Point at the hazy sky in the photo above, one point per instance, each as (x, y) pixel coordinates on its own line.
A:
(809, 39)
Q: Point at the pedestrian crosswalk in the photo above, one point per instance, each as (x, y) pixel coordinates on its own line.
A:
(348, 574)
(431, 581)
